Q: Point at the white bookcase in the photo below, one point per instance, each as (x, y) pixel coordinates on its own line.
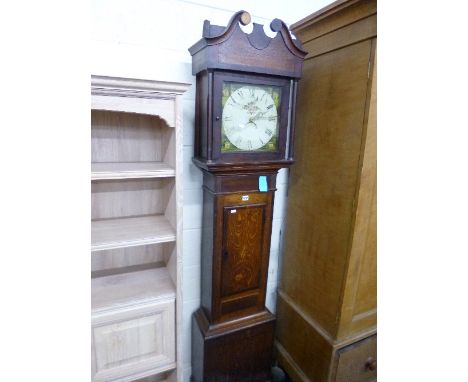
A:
(136, 229)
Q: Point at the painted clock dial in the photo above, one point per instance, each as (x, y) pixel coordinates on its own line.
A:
(250, 117)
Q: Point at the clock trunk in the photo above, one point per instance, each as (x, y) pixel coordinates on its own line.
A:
(232, 334)
(236, 236)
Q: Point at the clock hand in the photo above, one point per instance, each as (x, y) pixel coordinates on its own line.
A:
(251, 120)
(258, 115)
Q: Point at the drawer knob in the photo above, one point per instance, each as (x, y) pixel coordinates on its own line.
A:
(371, 364)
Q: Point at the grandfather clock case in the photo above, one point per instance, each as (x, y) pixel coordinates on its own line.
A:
(245, 102)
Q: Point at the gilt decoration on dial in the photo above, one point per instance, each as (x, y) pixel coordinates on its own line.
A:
(250, 117)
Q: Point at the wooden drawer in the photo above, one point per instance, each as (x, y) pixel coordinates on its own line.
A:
(133, 342)
(357, 362)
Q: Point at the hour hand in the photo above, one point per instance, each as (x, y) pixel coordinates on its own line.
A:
(251, 120)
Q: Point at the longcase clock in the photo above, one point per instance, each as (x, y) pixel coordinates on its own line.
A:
(245, 103)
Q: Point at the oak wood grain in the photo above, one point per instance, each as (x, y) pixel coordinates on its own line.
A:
(328, 148)
(327, 291)
(247, 259)
(348, 35)
(242, 248)
(357, 362)
(359, 308)
(238, 350)
(337, 15)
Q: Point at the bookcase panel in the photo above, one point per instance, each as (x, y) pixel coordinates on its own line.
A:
(138, 345)
(119, 258)
(129, 197)
(127, 137)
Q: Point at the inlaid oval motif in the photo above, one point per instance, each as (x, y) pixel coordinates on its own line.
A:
(242, 245)
(242, 275)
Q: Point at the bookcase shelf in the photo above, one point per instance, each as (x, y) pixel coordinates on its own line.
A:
(125, 290)
(130, 170)
(136, 227)
(130, 232)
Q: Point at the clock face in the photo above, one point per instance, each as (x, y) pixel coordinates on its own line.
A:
(250, 117)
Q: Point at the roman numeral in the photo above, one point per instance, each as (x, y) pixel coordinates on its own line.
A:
(270, 106)
(272, 118)
(269, 132)
(249, 145)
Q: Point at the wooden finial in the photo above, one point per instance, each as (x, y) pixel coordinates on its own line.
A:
(245, 18)
(276, 25)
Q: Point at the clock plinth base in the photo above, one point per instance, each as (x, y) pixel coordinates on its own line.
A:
(234, 351)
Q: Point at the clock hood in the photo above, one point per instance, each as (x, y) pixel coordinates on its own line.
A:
(220, 48)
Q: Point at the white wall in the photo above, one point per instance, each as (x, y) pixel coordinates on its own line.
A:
(149, 39)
